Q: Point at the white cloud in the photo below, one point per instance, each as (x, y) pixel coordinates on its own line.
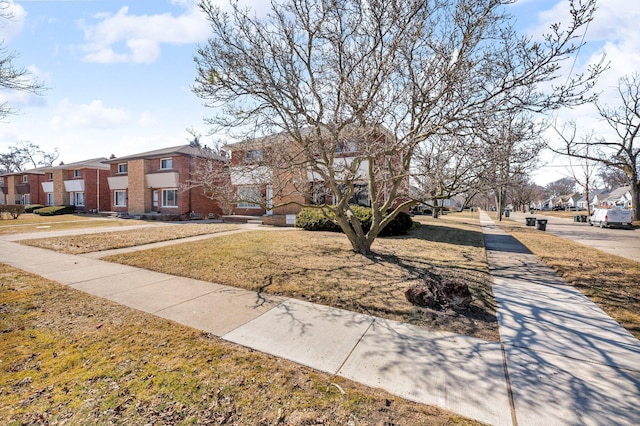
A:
(147, 119)
(14, 24)
(93, 115)
(123, 37)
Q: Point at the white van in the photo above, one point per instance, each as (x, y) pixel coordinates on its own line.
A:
(611, 218)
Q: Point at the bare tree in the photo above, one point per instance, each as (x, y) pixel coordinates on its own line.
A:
(511, 147)
(585, 172)
(562, 186)
(622, 153)
(26, 155)
(12, 77)
(385, 75)
(612, 178)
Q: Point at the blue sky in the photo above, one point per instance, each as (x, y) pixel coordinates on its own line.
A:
(119, 71)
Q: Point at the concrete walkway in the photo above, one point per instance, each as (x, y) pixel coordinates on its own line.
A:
(568, 362)
(562, 361)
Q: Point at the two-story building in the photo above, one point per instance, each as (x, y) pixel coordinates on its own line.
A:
(22, 187)
(155, 184)
(82, 184)
(267, 185)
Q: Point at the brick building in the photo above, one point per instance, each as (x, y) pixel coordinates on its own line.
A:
(155, 184)
(22, 187)
(82, 184)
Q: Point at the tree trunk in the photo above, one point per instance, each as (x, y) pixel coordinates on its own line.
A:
(635, 197)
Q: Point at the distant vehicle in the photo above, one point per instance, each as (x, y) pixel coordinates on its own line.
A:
(619, 218)
(557, 208)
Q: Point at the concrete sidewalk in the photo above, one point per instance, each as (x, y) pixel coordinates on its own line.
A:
(567, 362)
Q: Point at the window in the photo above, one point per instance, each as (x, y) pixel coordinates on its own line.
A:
(50, 176)
(49, 198)
(26, 199)
(79, 198)
(25, 179)
(347, 146)
(123, 168)
(169, 198)
(120, 198)
(166, 163)
(1, 181)
(77, 173)
(254, 155)
(249, 197)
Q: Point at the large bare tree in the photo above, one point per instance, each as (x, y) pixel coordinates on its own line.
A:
(25, 155)
(623, 151)
(325, 73)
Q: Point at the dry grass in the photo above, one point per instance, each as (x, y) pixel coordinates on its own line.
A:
(77, 244)
(610, 281)
(70, 358)
(34, 223)
(321, 267)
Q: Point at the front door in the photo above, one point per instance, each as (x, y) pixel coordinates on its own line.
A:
(155, 199)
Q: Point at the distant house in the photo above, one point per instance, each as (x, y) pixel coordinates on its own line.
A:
(153, 184)
(620, 197)
(594, 199)
(82, 184)
(22, 187)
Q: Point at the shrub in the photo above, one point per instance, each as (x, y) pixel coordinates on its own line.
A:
(55, 210)
(319, 219)
(32, 207)
(11, 210)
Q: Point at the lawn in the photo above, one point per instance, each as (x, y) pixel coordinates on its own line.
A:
(321, 267)
(30, 222)
(70, 358)
(610, 281)
(77, 244)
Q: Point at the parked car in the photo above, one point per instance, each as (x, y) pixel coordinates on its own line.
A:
(557, 208)
(620, 218)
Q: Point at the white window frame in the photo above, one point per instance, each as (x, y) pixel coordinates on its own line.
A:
(165, 198)
(25, 178)
(253, 155)
(123, 196)
(166, 163)
(123, 168)
(50, 201)
(77, 173)
(50, 176)
(257, 190)
(76, 199)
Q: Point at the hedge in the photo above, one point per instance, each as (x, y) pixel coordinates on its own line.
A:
(32, 207)
(55, 210)
(319, 219)
(11, 210)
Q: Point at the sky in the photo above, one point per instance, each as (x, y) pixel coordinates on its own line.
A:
(119, 72)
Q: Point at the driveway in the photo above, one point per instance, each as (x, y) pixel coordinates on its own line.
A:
(621, 242)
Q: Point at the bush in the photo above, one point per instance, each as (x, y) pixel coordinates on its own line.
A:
(319, 219)
(55, 210)
(12, 211)
(32, 207)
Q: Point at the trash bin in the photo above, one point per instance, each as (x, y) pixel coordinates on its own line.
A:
(532, 211)
(542, 224)
(531, 221)
(506, 213)
(576, 218)
(583, 218)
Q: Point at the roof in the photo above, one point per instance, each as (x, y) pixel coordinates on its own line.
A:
(618, 193)
(188, 150)
(94, 163)
(36, 171)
